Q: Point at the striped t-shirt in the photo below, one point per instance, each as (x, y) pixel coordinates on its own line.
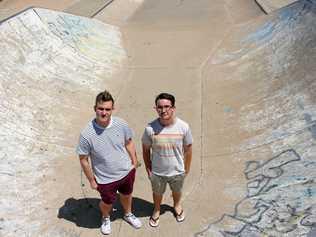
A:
(167, 157)
(106, 147)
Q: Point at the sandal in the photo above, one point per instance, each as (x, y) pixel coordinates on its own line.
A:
(154, 222)
(180, 216)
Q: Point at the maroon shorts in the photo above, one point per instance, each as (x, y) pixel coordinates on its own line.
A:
(124, 186)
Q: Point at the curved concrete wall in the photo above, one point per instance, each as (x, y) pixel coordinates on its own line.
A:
(263, 96)
(50, 65)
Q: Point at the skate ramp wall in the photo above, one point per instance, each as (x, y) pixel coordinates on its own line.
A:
(262, 81)
(51, 63)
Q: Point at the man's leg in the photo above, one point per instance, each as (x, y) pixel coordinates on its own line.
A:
(126, 201)
(105, 209)
(158, 184)
(106, 223)
(125, 190)
(157, 202)
(108, 195)
(176, 184)
(176, 201)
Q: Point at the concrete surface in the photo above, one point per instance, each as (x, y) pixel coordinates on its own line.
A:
(88, 8)
(85, 8)
(11, 7)
(271, 5)
(244, 81)
(51, 64)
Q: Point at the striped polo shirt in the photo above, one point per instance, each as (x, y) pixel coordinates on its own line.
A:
(106, 147)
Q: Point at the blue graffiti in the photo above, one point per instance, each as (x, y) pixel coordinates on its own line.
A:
(280, 200)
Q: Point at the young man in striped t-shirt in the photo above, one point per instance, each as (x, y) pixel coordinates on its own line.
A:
(167, 153)
(107, 140)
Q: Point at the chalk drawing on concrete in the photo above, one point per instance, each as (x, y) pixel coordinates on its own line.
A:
(280, 200)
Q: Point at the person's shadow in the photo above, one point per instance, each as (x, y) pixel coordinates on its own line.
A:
(85, 212)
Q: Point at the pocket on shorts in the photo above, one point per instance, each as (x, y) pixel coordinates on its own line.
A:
(151, 176)
(180, 176)
(154, 179)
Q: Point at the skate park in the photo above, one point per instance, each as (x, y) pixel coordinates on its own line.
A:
(243, 74)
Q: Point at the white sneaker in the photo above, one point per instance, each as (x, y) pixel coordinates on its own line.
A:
(106, 226)
(132, 220)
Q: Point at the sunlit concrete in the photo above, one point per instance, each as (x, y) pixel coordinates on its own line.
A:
(85, 8)
(271, 5)
(244, 80)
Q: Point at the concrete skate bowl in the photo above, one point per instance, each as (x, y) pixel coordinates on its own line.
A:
(254, 124)
(264, 76)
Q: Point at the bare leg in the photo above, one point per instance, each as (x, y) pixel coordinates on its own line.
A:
(105, 209)
(126, 201)
(176, 201)
(157, 202)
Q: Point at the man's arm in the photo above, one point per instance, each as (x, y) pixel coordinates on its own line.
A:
(146, 158)
(187, 158)
(130, 147)
(84, 162)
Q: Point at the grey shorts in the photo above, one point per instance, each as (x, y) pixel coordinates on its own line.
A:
(159, 183)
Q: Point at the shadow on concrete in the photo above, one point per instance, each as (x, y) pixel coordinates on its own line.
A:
(85, 212)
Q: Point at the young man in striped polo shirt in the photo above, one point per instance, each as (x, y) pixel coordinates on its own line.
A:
(107, 140)
(167, 153)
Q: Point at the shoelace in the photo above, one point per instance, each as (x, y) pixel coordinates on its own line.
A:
(131, 215)
(106, 220)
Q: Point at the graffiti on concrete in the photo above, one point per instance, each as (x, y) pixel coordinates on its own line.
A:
(280, 200)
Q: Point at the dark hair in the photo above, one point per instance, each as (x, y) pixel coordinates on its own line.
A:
(103, 97)
(166, 96)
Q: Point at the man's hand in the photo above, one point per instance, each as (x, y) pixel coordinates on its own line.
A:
(149, 173)
(187, 158)
(84, 162)
(186, 172)
(94, 185)
(131, 150)
(146, 158)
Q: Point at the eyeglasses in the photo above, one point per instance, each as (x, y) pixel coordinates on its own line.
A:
(166, 107)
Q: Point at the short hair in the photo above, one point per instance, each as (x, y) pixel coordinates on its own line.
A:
(104, 97)
(166, 96)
